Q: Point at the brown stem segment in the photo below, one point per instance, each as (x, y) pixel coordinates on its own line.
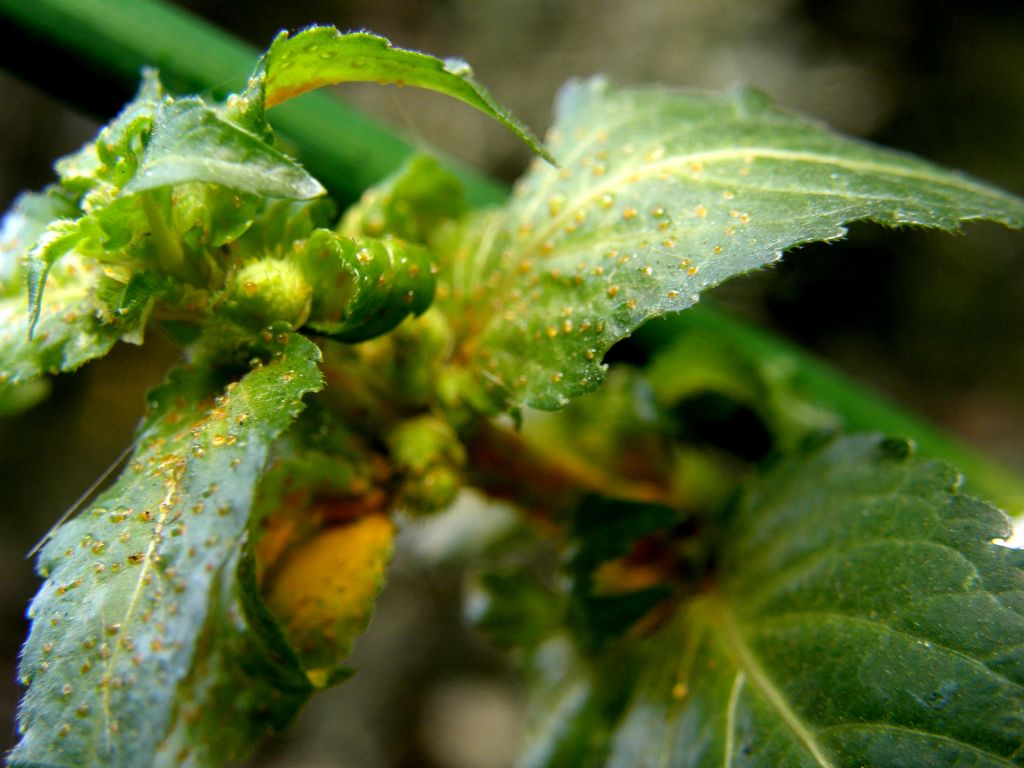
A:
(503, 464)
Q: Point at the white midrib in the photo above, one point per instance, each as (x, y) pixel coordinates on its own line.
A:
(752, 669)
(730, 719)
(171, 488)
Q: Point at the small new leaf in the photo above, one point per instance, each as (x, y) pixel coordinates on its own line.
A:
(131, 582)
(661, 195)
(111, 160)
(60, 237)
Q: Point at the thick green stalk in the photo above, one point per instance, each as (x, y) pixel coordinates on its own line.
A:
(860, 409)
(168, 247)
(349, 151)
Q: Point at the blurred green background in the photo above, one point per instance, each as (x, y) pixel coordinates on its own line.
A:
(934, 321)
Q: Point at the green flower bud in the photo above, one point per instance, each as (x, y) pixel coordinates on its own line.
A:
(267, 291)
(428, 458)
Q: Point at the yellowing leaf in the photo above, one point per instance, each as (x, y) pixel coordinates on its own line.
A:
(323, 591)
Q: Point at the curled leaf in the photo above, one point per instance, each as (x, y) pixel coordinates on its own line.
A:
(321, 56)
(364, 287)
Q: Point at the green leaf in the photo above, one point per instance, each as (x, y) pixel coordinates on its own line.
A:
(247, 675)
(112, 159)
(84, 312)
(23, 225)
(603, 531)
(132, 600)
(191, 142)
(717, 393)
(607, 528)
(321, 56)
(160, 190)
(619, 433)
(18, 397)
(861, 615)
(574, 705)
(568, 626)
(515, 610)
(36, 231)
(661, 195)
(59, 238)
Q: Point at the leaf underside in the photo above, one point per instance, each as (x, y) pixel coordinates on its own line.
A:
(862, 617)
(322, 56)
(661, 195)
(190, 143)
(136, 585)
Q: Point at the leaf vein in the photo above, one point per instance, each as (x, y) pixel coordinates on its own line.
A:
(778, 618)
(730, 718)
(750, 665)
(631, 176)
(866, 726)
(768, 586)
(172, 482)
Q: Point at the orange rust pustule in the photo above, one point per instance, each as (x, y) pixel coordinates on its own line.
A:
(277, 95)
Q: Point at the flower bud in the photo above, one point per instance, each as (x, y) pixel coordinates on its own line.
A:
(267, 291)
(428, 458)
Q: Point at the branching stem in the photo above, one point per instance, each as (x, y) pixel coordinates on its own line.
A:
(505, 465)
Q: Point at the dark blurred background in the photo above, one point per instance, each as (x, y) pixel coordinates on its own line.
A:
(934, 321)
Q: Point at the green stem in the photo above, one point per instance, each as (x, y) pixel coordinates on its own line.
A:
(168, 246)
(349, 151)
(859, 408)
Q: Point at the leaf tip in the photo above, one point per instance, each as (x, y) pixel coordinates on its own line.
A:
(310, 188)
